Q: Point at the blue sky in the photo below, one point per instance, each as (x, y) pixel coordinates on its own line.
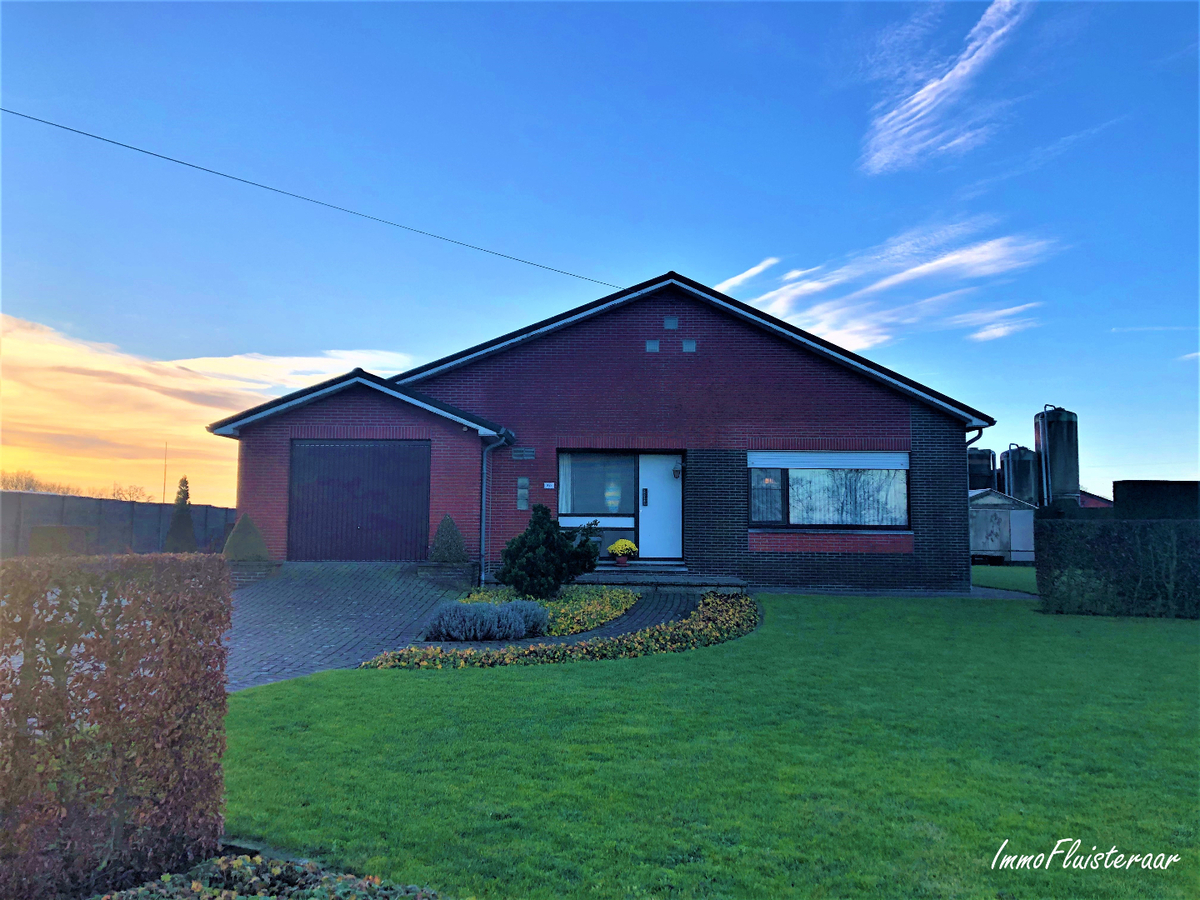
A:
(999, 201)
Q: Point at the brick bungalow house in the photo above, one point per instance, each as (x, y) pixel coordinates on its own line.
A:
(709, 433)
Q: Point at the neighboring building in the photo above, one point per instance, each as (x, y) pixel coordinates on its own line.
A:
(1093, 501)
(1001, 528)
(705, 430)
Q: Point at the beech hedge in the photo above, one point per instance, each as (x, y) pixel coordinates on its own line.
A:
(718, 618)
(1119, 567)
(112, 704)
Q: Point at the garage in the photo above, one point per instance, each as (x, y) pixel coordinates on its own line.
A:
(358, 500)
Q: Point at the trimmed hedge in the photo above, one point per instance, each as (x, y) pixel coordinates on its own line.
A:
(1119, 567)
(448, 544)
(232, 877)
(454, 621)
(718, 618)
(246, 543)
(112, 704)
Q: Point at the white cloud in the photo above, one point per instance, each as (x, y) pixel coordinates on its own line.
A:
(976, 261)
(730, 283)
(866, 298)
(1001, 329)
(1190, 356)
(935, 119)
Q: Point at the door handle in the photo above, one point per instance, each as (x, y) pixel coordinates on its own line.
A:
(645, 496)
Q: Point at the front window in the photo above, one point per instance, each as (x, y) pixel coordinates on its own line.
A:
(829, 490)
(597, 484)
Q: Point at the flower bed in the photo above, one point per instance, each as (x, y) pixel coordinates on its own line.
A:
(577, 608)
(718, 618)
(230, 877)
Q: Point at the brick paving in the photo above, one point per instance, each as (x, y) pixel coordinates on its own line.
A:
(316, 616)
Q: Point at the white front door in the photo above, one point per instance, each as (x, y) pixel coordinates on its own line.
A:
(660, 506)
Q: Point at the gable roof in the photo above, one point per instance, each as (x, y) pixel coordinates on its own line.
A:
(972, 418)
(231, 426)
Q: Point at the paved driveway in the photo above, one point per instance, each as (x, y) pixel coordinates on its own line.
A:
(316, 616)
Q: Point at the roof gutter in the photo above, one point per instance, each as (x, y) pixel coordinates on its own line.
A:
(505, 437)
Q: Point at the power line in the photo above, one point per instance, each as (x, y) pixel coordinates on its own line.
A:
(267, 187)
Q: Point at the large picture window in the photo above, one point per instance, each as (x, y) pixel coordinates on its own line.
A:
(829, 490)
(597, 484)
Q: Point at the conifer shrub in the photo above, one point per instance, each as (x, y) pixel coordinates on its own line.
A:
(181, 536)
(448, 545)
(245, 543)
(545, 556)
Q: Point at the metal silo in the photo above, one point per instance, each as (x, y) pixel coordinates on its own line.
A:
(1056, 439)
(1019, 469)
(981, 468)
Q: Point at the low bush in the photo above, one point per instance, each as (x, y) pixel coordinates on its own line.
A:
(575, 609)
(1119, 567)
(112, 705)
(718, 618)
(486, 621)
(448, 544)
(232, 877)
(245, 543)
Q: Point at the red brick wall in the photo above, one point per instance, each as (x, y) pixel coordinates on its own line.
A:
(358, 413)
(842, 542)
(594, 385)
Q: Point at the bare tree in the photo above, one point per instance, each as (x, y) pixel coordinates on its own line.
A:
(24, 480)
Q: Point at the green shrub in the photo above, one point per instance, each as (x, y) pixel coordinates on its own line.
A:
(718, 618)
(545, 556)
(58, 540)
(245, 543)
(181, 535)
(486, 621)
(252, 876)
(448, 545)
(1119, 567)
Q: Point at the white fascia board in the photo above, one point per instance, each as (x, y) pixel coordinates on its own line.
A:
(972, 421)
(232, 429)
(827, 459)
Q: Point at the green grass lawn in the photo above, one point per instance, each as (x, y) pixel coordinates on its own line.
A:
(1008, 578)
(850, 747)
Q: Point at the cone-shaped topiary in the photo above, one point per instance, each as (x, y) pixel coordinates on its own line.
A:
(448, 545)
(245, 543)
(181, 536)
(545, 556)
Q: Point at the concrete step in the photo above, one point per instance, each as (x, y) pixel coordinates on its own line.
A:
(628, 575)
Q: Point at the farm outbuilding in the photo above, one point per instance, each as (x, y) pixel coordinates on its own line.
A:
(1001, 527)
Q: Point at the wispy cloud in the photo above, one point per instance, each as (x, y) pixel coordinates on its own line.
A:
(1190, 356)
(730, 283)
(935, 118)
(1038, 157)
(866, 298)
(995, 323)
(90, 414)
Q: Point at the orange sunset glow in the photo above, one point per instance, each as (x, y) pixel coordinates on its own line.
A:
(89, 414)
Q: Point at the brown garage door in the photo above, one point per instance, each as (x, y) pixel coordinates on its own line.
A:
(358, 500)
